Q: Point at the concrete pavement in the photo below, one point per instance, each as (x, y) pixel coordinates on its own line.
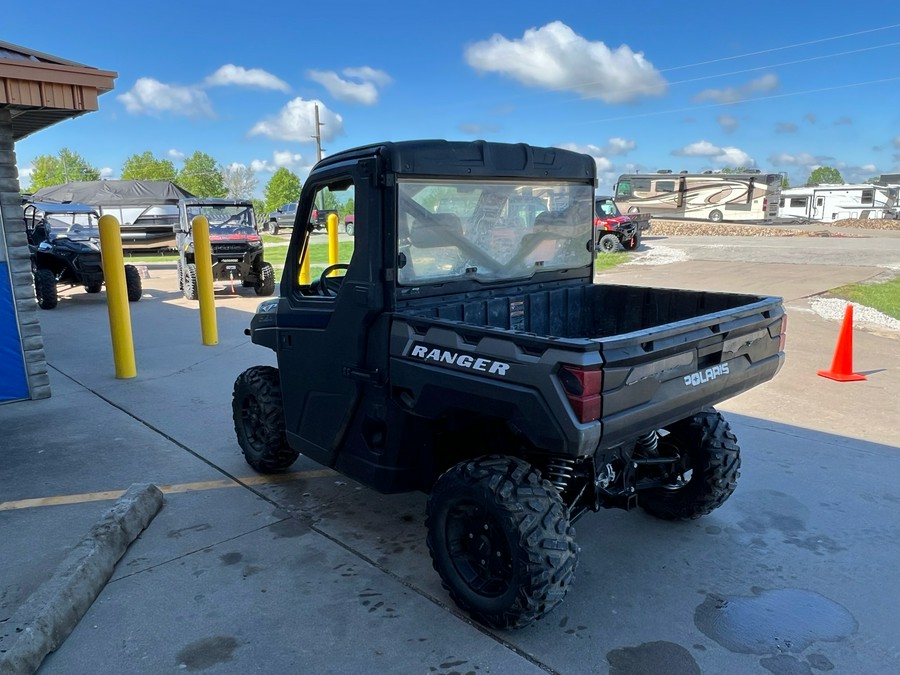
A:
(313, 573)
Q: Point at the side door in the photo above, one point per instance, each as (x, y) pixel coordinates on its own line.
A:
(324, 320)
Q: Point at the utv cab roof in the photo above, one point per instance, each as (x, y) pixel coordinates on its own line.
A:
(473, 159)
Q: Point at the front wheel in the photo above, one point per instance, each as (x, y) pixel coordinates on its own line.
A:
(94, 288)
(634, 242)
(716, 216)
(45, 288)
(500, 538)
(609, 243)
(133, 283)
(189, 281)
(259, 420)
(266, 283)
(707, 462)
(273, 228)
(348, 228)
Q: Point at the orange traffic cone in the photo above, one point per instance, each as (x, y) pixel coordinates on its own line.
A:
(842, 365)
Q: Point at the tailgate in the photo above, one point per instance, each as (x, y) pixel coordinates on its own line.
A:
(657, 376)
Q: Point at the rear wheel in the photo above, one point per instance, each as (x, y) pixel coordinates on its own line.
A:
(705, 472)
(259, 420)
(189, 281)
(348, 228)
(45, 288)
(133, 283)
(500, 538)
(715, 215)
(609, 243)
(273, 228)
(266, 283)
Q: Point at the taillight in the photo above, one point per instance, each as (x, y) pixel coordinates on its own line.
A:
(765, 204)
(583, 387)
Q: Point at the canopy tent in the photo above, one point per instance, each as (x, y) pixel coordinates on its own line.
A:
(114, 193)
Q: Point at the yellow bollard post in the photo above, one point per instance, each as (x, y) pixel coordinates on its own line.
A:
(332, 239)
(113, 261)
(203, 260)
(304, 269)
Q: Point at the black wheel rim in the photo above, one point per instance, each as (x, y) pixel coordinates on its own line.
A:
(479, 550)
(251, 416)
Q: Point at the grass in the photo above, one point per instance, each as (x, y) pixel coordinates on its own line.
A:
(885, 297)
(606, 261)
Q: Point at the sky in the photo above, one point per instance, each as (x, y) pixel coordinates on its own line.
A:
(782, 87)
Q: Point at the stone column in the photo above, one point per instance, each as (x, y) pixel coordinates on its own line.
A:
(19, 261)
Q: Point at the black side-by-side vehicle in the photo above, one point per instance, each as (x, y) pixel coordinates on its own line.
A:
(464, 350)
(64, 241)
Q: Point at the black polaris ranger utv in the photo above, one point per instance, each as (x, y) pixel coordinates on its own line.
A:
(464, 350)
(235, 243)
(64, 241)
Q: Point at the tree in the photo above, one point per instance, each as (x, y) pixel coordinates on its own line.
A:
(240, 181)
(824, 174)
(67, 166)
(737, 169)
(202, 176)
(347, 208)
(147, 167)
(283, 188)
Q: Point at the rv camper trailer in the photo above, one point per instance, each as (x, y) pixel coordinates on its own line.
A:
(828, 203)
(745, 197)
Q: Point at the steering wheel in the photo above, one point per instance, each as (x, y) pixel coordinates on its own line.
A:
(323, 287)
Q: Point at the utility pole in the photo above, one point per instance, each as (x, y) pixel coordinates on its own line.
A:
(318, 138)
(318, 135)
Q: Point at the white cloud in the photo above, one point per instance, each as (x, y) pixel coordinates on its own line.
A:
(367, 74)
(254, 77)
(785, 128)
(555, 57)
(175, 154)
(603, 164)
(761, 85)
(280, 158)
(895, 141)
(26, 172)
(106, 172)
(728, 123)
(844, 120)
(296, 122)
(802, 159)
(618, 146)
(727, 156)
(365, 91)
(810, 117)
(151, 97)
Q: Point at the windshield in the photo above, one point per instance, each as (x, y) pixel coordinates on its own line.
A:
(491, 230)
(607, 207)
(231, 219)
(75, 226)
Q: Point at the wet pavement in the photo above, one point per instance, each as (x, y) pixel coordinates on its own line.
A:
(314, 573)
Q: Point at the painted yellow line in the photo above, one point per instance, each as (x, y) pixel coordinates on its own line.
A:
(108, 495)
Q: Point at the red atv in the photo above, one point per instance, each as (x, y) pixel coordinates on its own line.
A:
(613, 230)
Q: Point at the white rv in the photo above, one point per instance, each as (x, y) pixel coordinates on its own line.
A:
(751, 196)
(828, 203)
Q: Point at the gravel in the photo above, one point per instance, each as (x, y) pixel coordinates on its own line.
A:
(704, 228)
(833, 309)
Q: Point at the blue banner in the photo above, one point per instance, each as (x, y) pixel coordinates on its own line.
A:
(13, 381)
